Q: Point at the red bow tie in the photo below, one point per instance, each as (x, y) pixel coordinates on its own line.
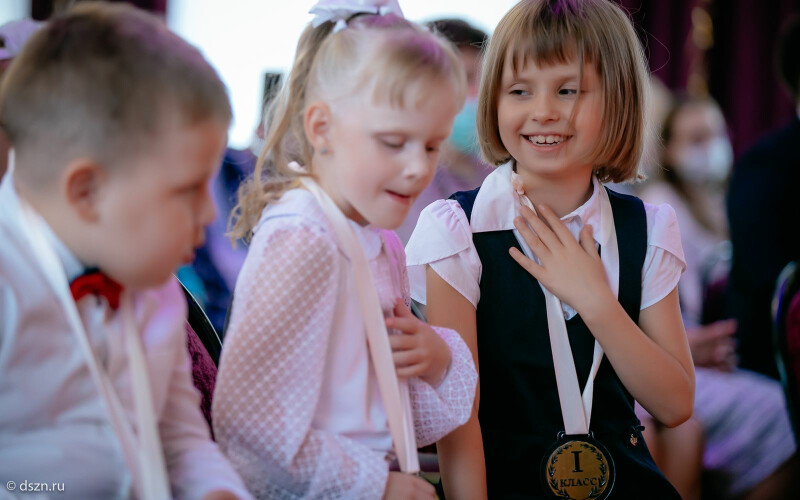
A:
(94, 282)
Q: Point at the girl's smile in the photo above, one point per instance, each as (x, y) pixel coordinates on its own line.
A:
(549, 117)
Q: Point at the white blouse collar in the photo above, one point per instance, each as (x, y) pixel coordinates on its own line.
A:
(299, 201)
(497, 204)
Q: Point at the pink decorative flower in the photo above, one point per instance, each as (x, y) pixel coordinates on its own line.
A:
(516, 183)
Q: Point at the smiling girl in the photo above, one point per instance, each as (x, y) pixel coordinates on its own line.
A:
(564, 290)
(300, 406)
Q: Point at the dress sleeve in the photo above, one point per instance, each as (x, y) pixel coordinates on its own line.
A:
(443, 240)
(664, 261)
(440, 410)
(272, 368)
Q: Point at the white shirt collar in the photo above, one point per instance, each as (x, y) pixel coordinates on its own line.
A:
(10, 203)
(497, 204)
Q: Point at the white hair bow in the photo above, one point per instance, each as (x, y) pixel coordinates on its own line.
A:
(340, 11)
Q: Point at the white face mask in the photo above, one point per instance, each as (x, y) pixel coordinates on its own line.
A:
(257, 145)
(707, 162)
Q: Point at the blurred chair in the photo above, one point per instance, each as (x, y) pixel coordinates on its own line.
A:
(715, 270)
(786, 338)
(205, 348)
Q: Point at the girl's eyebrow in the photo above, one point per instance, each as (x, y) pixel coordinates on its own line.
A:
(560, 78)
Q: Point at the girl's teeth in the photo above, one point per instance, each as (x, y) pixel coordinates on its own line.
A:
(549, 139)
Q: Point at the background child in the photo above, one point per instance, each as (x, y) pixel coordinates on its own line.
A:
(297, 407)
(747, 436)
(561, 109)
(117, 127)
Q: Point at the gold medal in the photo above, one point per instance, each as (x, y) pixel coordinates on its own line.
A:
(578, 467)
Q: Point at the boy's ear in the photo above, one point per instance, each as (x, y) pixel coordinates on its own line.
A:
(317, 123)
(81, 183)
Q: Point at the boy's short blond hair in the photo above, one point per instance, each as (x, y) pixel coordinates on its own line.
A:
(100, 82)
(559, 31)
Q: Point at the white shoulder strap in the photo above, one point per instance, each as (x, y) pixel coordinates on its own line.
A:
(401, 423)
(145, 458)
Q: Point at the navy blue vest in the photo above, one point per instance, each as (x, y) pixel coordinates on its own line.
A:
(519, 413)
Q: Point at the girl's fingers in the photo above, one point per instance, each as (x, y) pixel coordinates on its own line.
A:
(532, 267)
(541, 229)
(587, 240)
(401, 311)
(404, 359)
(556, 224)
(534, 242)
(402, 342)
(426, 488)
(409, 371)
(404, 324)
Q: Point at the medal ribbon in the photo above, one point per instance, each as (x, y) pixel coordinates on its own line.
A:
(576, 408)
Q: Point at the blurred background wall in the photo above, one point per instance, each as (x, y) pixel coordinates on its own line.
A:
(723, 47)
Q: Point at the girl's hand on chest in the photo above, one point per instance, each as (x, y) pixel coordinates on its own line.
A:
(571, 270)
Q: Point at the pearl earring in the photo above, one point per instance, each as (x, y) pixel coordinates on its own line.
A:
(323, 151)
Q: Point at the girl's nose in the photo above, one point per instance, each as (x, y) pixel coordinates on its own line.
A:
(420, 164)
(544, 109)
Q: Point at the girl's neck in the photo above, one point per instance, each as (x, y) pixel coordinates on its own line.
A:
(563, 193)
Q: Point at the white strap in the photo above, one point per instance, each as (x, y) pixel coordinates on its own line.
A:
(576, 408)
(393, 393)
(153, 470)
(146, 462)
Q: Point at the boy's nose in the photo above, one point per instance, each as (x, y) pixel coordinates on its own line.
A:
(207, 212)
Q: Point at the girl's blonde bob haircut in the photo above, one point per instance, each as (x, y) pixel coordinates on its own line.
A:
(387, 57)
(566, 31)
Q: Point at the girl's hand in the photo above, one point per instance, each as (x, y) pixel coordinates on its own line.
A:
(418, 351)
(713, 345)
(571, 270)
(406, 487)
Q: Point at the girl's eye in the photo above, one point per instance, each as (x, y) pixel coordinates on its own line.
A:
(392, 144)
(568, 91)
(519, 92)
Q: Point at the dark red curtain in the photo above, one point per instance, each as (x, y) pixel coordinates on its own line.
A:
(742, 70)
(738, 65)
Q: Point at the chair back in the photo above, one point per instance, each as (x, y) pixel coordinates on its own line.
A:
(714, 279)
(786, 338)
(205, 348)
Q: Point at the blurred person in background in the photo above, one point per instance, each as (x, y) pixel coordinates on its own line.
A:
(13, 36)
(740, 424)
(212, 276)
(460, 166)
(762, 210)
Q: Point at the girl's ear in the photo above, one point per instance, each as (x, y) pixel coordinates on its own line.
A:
(81, 183)
(317, 124)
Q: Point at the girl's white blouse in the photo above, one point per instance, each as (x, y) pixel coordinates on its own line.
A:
(443, 240)
(297, 407)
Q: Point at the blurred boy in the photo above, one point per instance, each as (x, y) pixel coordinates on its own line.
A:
(117, 127)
